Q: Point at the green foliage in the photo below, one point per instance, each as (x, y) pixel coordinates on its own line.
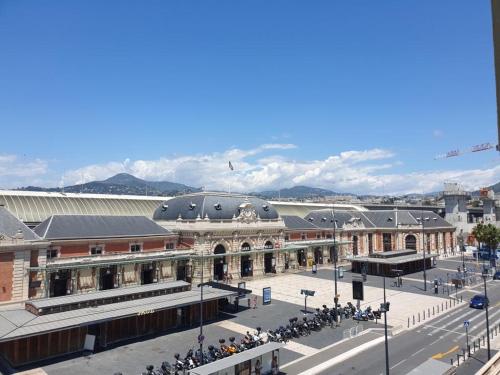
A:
(487, 234)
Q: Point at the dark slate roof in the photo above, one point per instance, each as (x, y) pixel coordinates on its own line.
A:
(324, 218)
(434, 219)
(375, 219)
(296, 222)
(192, 206)
(97, 226)
(10, 225)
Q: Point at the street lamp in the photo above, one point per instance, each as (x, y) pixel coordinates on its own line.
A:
(422, 221)
(333, 221)
(200, 337)
(384, 307)
(485, 276)
(460, 238)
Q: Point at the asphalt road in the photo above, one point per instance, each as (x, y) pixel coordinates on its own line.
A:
(441, 338)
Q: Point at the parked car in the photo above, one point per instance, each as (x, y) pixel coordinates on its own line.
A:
(496, 276)
(478, 301)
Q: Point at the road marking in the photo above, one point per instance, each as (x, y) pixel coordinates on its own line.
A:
(342, 357)
(442, 355)
(397, 364)
(414, 354)
(294, 346)
(442, 329)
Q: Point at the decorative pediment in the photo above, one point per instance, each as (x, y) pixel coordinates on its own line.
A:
(247, 213)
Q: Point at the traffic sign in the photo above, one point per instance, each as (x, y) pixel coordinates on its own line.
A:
(466, 323)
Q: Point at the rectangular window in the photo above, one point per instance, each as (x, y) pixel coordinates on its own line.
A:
(52, 253)
(96, 250)
(370, 243)
(287, 237)
(169, 246)
(135, 248)
(318, 236)
(303, 236)
(387, 241)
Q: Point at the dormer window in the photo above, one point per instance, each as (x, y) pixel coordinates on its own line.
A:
(96, 250)
(192, 206)
(323, 219)
(218, 206)
(311, 219)
(265, 207)
(164, 207)
(135, 248)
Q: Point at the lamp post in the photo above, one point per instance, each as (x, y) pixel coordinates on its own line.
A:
(200, 337)
(384, 308)
(485, 276)
(335, 298)
(422, 221)
(460, 238)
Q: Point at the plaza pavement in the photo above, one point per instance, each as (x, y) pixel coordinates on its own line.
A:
(404, 303)
(132, 357)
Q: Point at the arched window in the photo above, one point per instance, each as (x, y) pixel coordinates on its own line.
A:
(245, 246)
(411, 242)
(219, 249)
(268, 245)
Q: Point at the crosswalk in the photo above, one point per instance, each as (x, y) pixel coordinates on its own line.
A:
(450, 326)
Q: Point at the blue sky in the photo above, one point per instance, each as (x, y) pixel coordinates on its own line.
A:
(349, 95)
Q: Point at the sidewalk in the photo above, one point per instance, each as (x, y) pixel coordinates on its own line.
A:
(337, 352)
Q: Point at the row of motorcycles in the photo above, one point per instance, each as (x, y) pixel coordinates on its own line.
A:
(326, 317)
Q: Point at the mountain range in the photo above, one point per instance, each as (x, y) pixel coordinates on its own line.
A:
(126, 184)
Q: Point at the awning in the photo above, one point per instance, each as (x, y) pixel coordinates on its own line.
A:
(109, 262)
(29, 324)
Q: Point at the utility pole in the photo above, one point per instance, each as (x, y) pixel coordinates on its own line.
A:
(385, 332)
(335, 298)
(201, 337)
(485, 276)
(495, 12)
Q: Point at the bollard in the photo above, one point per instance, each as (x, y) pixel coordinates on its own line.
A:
(461, 299)
(451, 361)
(432, 310)
(413, 319)
(483, 340)
(419, 317)
(408, 322)
(442, 304)
(423, 314)
(429, 312)
(463, 353)
(438, 308)
(468, 350)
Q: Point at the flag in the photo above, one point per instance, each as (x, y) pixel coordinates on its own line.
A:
(231, 166)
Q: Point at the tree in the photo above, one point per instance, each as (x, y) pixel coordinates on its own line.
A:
(487, 234)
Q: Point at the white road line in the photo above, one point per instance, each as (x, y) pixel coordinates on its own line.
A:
(397, 364)
(414, 354)
(342, 357)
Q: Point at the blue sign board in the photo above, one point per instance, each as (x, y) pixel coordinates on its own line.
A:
(266, 295)
(466, 323)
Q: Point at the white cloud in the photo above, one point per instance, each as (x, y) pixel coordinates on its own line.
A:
(15, 171)
(260, 168)
(357, 171)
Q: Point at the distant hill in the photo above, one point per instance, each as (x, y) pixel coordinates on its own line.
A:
(124, 184)
(298, 192)
(495, 187)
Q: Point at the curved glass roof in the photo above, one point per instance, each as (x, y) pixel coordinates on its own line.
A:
(35, 207)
